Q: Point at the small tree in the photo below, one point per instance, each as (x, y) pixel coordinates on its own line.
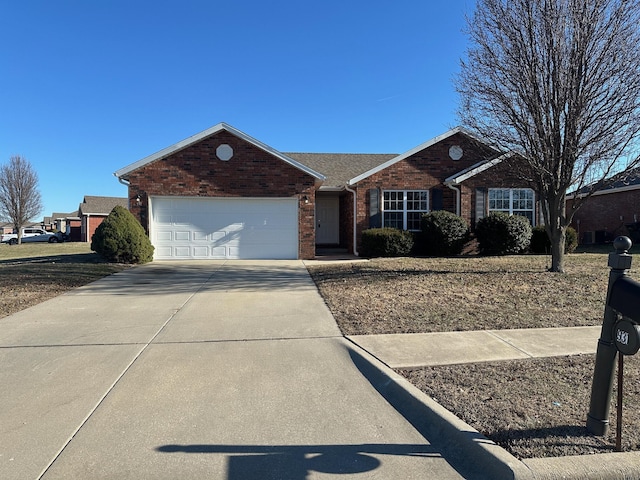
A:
(20, 199)
(121, 238)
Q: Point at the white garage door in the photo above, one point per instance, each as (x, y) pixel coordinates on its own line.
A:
(233, 228)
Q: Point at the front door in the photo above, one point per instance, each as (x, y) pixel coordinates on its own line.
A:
(327, 220)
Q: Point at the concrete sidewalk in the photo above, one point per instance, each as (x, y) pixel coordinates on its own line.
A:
(448, 348)
(237, 370)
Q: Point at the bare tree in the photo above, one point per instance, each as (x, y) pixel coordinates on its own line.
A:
(20, 198)
(557, 81)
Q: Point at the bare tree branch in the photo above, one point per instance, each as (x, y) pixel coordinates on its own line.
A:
(557, 81)
(20, 199)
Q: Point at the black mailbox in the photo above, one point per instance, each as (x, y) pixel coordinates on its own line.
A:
(625, 298)
(620, 333)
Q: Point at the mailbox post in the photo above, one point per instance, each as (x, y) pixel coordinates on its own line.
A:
(622, 293)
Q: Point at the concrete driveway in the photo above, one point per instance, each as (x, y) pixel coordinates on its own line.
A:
(222, 370)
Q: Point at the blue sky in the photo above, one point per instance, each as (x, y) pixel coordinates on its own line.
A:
(89, 87)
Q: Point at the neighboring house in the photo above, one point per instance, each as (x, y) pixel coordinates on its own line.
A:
(224, 194)
(93, 210)
(69, 224)
(6, 228)
(48, 223)
(611, 211)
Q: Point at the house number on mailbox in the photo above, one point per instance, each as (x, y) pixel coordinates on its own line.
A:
(627, 337)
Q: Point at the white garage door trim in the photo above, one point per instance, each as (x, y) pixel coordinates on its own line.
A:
(223, 228)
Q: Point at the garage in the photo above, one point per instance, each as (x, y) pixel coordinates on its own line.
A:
(224, 228)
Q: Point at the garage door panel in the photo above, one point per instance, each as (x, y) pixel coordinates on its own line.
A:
(224, 228)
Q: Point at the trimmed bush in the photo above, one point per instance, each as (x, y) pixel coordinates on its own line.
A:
(120, 238)
(570, 240)
(443, 233)
(540, 242)
(386, 242)
(503, 234)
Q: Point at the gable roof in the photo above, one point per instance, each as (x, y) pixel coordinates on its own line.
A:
(100, 205)
(413, 151)
(339, 168)
(475, 169)
(123, 173)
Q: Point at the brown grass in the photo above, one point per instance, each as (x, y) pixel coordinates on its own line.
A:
(409, 295)
(533, 408)
(35, 272)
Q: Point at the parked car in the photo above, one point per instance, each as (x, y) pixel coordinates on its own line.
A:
(31, 235)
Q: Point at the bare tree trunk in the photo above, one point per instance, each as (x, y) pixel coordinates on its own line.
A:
(557, 237)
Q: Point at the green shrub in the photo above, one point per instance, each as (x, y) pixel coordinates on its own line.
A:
(540, 242)
(120, 238)
(386, 242)
(503, 234)
(571, 240)
(443, 233)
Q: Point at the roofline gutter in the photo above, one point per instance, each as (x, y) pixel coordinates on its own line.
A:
(355, 219)
(122, 180)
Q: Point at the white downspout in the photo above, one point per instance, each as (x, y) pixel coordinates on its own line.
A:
(458, 194)
(355, 219)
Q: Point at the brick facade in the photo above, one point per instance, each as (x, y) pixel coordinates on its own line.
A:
(427, 170)
(603, 217)
(196, 171)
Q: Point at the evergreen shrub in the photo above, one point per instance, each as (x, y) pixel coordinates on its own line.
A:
(120, 238)
(443, 233)
(541, 244)
(502, 234)
(386, 242)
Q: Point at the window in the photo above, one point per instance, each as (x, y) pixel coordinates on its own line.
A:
(403, 209)
(514, 201)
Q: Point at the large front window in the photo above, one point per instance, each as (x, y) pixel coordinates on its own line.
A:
(403, 209)
(514, 201)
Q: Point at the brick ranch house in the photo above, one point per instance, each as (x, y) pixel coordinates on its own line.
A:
(224, 194)
(611, 211)
(92, 211)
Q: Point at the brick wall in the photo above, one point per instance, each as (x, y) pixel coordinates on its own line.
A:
(251, 172)
(502, 175)
(424, 170)
(606, 214)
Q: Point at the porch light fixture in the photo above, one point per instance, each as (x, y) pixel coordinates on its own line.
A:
(138, 200)
(305, 199)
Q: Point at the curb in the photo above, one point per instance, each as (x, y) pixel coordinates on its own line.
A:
(470, 452)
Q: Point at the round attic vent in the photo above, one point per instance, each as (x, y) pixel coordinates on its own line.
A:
(224, 152)
(455, 152)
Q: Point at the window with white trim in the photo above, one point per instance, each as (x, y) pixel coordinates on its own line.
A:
(403, 209)
(514, 201)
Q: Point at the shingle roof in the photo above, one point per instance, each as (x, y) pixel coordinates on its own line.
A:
(625, 180)
(56, 215)
(341, 167)
(100, 205)
(123, 173)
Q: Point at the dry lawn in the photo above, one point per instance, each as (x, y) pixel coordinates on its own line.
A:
(34, 272)
(409, 295)
(533, 408)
